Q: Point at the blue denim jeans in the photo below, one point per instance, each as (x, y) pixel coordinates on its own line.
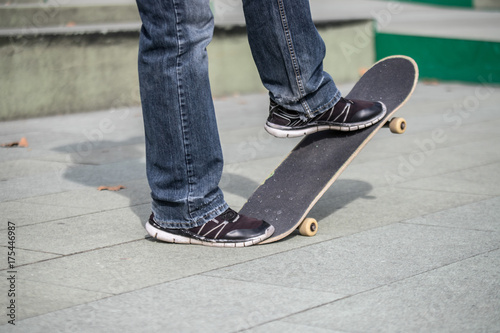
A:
(183, 152)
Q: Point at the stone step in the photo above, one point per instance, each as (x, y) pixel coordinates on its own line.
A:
(34, 15)
(65, 68)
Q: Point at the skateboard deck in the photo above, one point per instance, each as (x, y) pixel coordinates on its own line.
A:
(292, 190)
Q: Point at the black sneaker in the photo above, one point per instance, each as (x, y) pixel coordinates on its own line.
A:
(346, 115)
(229, 229)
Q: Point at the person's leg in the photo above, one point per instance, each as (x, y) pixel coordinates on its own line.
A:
(184, 157)
(183, 153)
(289, 52)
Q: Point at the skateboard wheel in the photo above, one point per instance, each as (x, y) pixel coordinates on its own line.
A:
(308, 227)
(397, 125)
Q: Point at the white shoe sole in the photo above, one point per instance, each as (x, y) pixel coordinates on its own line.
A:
(287, 132)
(177, 239)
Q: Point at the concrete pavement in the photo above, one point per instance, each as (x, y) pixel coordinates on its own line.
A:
(409, 236)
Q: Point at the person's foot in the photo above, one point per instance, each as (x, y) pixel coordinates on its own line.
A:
(346, 115)
(229, 229)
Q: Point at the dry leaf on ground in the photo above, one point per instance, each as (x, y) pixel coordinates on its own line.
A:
(23, 143)
(111, 188)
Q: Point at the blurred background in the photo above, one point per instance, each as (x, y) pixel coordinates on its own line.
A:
(66, 56)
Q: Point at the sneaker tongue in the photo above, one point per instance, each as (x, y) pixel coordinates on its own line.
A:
(229, 215)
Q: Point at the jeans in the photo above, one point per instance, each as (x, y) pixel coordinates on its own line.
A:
(183, 153)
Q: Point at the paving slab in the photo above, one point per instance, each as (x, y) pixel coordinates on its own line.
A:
(19, 188)
(34, 298)
(343, 214)
(24, 257)
(481, 215)
(460, 297)
(107, 269)
(254, 143)
(221, 306)
(91, 200)
(482, 180)
(358, 263)
(281, 326)
(26, 168)
(409, 159)
(72, 177)
(110, 122)
(386, 146)
(418, 163)
(82, 233)
(25, 213)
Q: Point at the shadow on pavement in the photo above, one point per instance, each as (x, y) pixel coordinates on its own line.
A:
(114, 163)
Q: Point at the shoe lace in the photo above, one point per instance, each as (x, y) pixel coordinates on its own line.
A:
(346, 110)
(219, 225)
(229, 215)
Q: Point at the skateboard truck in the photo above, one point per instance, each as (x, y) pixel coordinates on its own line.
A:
(396, 125)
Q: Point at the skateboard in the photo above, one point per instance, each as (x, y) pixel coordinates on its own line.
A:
(292, 190)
